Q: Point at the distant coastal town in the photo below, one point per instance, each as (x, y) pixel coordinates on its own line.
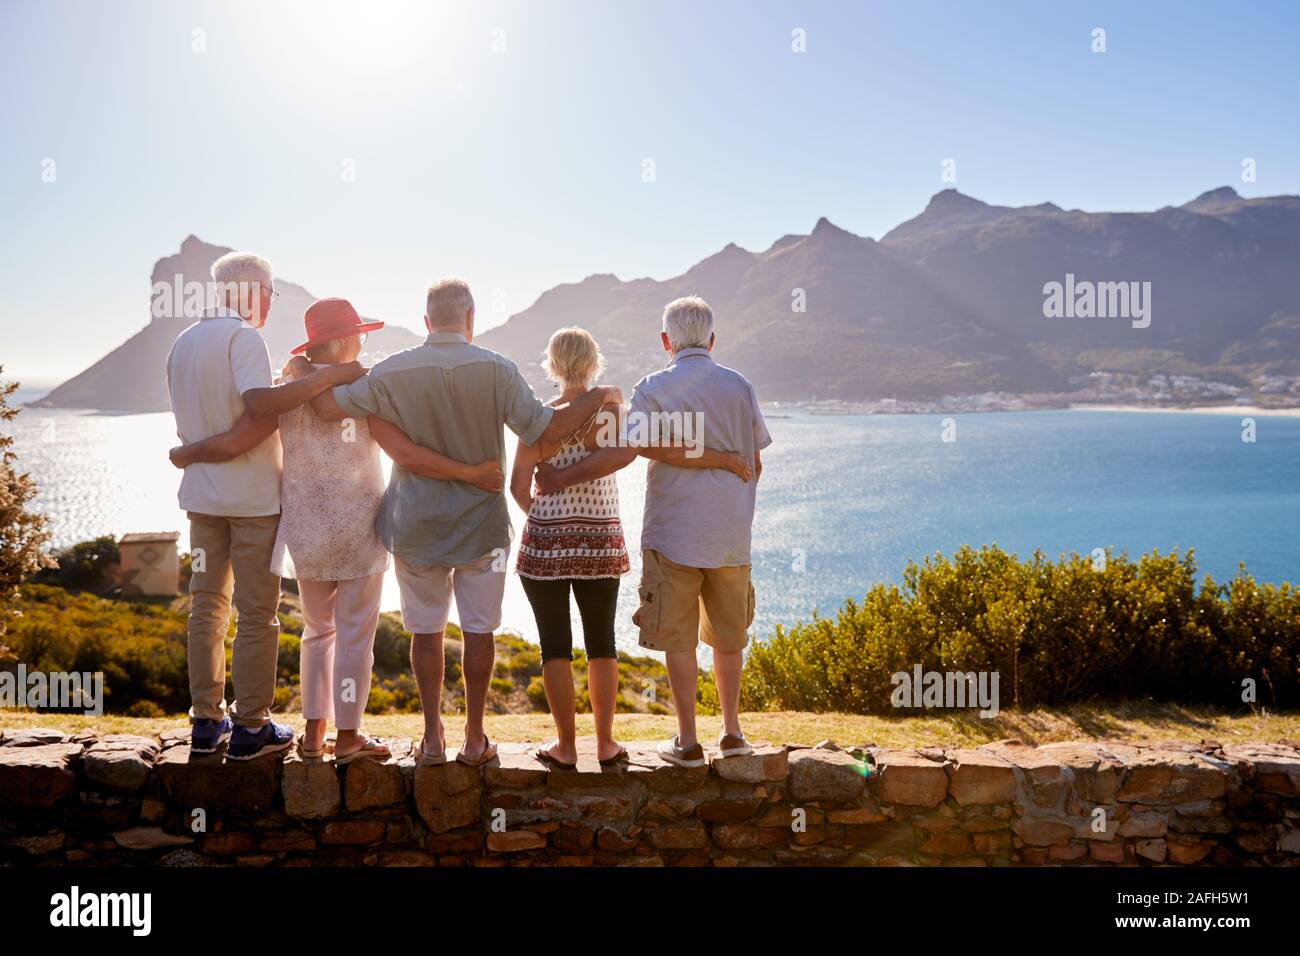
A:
(1099, 390)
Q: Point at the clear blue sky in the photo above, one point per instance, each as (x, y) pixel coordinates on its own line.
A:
(522, 169)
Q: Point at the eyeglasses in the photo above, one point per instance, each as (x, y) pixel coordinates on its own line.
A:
(364, 336)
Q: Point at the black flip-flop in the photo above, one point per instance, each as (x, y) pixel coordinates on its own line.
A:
(618, 758)
(556, 763)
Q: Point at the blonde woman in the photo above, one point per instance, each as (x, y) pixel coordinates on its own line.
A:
(573, 543)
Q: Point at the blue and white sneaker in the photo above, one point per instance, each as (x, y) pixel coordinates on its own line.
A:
(207, 735)
(247, 744)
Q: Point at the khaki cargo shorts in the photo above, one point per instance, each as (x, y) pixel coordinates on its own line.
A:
(681, 606)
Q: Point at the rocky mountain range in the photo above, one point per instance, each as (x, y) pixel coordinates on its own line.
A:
(132, 377)
(950, 303)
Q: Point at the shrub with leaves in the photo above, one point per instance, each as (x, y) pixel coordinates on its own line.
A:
(1055, 632)
(23, 536)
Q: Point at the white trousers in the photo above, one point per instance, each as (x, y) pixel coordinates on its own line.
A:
(338, 647)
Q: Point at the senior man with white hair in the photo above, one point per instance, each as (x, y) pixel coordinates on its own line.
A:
(695, 537)
(219, 371)
(450, 537)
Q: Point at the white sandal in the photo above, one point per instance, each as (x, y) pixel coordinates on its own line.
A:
(426, 759)
(370, 747)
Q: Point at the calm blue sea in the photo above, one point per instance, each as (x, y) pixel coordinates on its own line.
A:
(845, 501)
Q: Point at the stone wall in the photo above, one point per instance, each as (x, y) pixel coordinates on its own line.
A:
(132, 800)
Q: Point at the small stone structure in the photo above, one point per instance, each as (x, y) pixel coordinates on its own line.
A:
(149, 563)
(133, 800)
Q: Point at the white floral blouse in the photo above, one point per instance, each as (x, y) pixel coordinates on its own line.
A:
(330, 492)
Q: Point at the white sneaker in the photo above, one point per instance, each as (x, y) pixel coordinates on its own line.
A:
(671, 751)
(732, 745)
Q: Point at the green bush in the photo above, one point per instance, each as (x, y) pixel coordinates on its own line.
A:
(537, 695)
(502, 686)
(82, 566)
(140, 648)
(1056, 633)
(392, 644)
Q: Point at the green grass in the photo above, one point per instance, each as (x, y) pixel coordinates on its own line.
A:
(1136, 723)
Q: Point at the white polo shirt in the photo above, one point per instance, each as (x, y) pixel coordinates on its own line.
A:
(210, 366)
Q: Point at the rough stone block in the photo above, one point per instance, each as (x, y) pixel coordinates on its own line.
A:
(689, 835)
(980, 777)
(360, 832)
(1047, 778)
(731, 837)
(310, 788)
(763, 765)
(1164, 777)
(1043, 831)
(826, 776)
(207, 781)
(149, 838)
(375, 783)
(120, 762)
(1273, 768)
(33, 737)
(37, 776)
(909, 779)
(515, 841)
(447, 796)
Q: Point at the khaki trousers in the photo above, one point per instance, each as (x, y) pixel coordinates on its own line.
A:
(234, 560)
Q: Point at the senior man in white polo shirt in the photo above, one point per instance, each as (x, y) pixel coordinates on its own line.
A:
(219, 371)
(695, 539)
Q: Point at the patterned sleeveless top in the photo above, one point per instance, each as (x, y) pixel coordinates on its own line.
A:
(574, 532)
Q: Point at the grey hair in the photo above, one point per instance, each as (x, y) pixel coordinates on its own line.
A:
(448, 301)
(236, 273)
(326, 349)
(688, 322)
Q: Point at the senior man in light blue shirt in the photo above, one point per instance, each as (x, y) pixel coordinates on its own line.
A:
(449, 537)
(695, 539)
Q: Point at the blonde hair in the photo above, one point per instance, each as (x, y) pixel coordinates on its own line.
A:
(572, 357)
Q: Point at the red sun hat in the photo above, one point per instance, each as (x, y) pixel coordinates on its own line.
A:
(330, 319)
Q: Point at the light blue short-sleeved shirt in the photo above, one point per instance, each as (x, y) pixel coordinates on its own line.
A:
(695, 516)
(454, 398)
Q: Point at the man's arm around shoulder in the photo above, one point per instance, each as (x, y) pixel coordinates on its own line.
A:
(570, 416)
(275, 400)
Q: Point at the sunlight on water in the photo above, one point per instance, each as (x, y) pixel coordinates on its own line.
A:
(849, 499)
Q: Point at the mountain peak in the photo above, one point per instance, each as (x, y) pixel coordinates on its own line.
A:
(1215, 197)
(729, 252)
(950, 202)
(825, 229)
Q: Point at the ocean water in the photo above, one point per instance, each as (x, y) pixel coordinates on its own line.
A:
(844, 501)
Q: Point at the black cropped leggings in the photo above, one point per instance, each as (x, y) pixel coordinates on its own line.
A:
(597, 601)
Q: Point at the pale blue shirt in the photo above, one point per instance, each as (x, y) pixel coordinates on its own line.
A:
(453, 397)
(700, 517)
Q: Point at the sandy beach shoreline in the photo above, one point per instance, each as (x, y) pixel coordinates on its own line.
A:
(1243, 410)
